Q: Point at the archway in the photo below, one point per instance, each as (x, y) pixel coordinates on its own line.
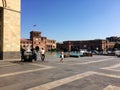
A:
(37, 48)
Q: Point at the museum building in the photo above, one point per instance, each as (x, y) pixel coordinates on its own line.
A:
(37, 41)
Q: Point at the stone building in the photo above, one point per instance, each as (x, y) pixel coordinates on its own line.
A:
(87, 44)
(111, 41)
(97, 44)
(37, 41)
(9, 29)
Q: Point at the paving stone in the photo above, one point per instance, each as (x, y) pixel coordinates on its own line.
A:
(84, 73)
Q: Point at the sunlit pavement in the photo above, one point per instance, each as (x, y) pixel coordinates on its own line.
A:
(83, 73)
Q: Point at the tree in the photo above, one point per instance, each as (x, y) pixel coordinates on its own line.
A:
(116, 46)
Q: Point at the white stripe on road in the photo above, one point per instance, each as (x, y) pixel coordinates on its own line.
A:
(63, 81)
(60, 82)
(110, 87)
(7, 65)
(93, 61)
(107, 75)
(28, 71)
(112, 67)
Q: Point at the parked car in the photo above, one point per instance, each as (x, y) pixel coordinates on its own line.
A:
(117, 53)
(28, 56)
(85, 53)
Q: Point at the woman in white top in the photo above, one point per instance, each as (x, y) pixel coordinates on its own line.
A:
(42, 54)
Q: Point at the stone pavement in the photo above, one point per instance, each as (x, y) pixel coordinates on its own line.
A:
(84, 73)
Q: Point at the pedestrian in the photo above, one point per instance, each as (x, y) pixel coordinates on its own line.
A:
(62, 56)
(42, 54)
(35, 55)
(22, 54)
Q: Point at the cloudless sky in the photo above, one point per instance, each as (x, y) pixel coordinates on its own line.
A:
(64, 20)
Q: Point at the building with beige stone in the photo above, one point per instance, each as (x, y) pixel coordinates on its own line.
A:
(10, 29)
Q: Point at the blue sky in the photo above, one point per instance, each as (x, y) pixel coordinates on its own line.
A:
(64, 20)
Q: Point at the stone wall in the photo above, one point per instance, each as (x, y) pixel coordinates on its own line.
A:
(11, 30)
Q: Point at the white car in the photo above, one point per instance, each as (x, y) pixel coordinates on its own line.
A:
(117, 53)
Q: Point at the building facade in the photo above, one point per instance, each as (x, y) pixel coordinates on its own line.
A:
(10, 28)
(111, 41)
(98, 44)
(37, 41)
(88, 44)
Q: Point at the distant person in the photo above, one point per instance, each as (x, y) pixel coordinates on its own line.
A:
(62, 56)
(22, 54)
(42, 54)
(35, 55)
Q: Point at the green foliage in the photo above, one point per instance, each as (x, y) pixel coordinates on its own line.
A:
(117, 46)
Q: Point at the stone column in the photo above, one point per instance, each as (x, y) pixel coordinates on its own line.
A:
(10, 29)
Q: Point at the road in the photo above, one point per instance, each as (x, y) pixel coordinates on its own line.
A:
(83, 73)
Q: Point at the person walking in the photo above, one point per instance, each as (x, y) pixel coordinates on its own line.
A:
(62, 56)
(42, 54)
(35, 55)
(22, 54)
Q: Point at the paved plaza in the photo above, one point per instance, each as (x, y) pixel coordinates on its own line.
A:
(83, 73)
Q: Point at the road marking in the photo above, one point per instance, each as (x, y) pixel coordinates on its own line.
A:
(110, 87)
(60, 82)
(28, 71)
(41, 65)
(7, 65)
(107, 75)
(93, 61)
(1, 62)
(112, 67)
(63, 81)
